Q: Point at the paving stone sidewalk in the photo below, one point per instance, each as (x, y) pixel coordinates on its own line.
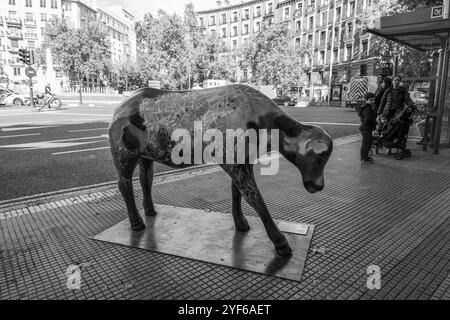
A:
(392, 214)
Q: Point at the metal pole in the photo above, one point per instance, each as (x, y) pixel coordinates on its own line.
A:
(31, 92)
(442, 95)
(333, 35)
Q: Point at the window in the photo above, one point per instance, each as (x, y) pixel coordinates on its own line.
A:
(352, 9)
(245, 28)
(12, 14)
(42, 31)
(298, 25)
(310, 39)
(258, 11)
(258, 26)
(43, 3)
(322, 37)
(212, 20)
(202, 21)
(28, 3)
(245, 73)
(363, 70)
(235, 16)
(54, 4)
(235, 31)
(17, 71)
(335, 55)
(12, 2)
(364, 48)
(224, 32)
(349, 53)
(350, 29)
(29, 17)
(338, 13)
(43, 17)
(322, 57)
(324, 18)
(234, 45)
(270, 8)
(224, 18)
(246, 13)
(297, 42)
(31, 45)
(286, 13)
(311, 22)
(14, 43)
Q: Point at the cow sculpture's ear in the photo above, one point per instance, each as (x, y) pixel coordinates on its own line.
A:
(130, 140)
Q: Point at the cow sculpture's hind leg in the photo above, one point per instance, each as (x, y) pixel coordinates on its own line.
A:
(125, 166)
(239, 219)
(146, 179)
(244, 180)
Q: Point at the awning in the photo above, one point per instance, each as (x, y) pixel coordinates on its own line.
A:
(417, 29)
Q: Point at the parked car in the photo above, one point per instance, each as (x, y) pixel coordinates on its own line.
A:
(16, 98)
(3, 93)
(284, 101)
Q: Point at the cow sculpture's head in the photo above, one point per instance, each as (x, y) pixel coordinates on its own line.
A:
(308, 148)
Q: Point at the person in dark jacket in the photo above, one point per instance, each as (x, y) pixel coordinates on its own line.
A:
(393, 99)
(368, 123)
(385, 84)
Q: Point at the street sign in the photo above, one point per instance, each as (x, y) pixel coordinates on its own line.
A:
(30, 72)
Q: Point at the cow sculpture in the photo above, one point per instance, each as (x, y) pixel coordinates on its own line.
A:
(141, 129)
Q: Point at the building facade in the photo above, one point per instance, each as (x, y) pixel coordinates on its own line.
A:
(22, 25)
(328, 28)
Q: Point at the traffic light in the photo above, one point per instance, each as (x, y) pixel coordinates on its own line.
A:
(29, 57)
(22, 55)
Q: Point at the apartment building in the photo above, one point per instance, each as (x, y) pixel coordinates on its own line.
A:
(22, 24)
(338, 49)
(118, 21)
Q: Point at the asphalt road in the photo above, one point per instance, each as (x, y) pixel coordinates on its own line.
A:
(53, 150)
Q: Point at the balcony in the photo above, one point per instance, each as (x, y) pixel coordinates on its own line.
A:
(297, 13)
(13, 21)
(14, 35)
(309, 9)
(13, 50)
(212, 24)
(29, 23)
(244, 18)
(223, 22)
(30, 35)
(256, 15)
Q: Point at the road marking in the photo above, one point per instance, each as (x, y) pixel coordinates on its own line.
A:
(20, 135)
(85, 114)
(53, 143)
(23, 128)
(88, 130)
(333, 123)
(82, 150)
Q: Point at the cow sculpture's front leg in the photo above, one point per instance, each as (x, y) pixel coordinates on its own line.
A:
(146, 180)
(244, 180)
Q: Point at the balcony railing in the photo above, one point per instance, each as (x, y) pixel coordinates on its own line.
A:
(309, 9)
(245, 18)
(14, 35)
(257, 15)
(29, 22)
(212, 24)
(223, 21)
(12, 49)
(13, 21)
(30, 35)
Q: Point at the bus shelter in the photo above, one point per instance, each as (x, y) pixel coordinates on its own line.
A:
(425, 30)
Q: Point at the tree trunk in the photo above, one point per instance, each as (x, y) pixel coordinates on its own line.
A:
(80, 85)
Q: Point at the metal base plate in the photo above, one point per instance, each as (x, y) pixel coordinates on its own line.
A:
(211, 237)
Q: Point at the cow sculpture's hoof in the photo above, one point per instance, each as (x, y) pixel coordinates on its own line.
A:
(138, 227)
(284, 251)
(150, 213)
(243, 227)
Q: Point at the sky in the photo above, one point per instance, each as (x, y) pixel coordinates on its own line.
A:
(141, 7)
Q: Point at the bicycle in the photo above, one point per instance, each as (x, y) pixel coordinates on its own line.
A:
(52, 103)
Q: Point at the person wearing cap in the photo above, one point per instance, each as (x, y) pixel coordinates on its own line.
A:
(368, 118)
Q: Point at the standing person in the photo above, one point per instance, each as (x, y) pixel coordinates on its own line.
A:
(368, 124)
(385, 84)
(393, 99)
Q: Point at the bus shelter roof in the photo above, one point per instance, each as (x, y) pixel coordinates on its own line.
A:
(417, 29)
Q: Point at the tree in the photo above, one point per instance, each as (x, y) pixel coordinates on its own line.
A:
(274, 58)
(80, 52)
